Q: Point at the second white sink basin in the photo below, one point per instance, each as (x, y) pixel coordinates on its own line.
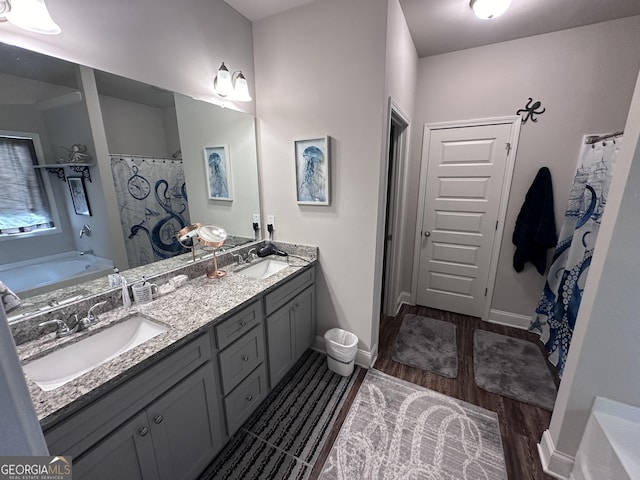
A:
(63, 365)
(264, 269)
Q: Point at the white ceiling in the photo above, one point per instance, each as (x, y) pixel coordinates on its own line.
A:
(259, 9)
(441, 26)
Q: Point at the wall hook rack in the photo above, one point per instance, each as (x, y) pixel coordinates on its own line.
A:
(531, 109)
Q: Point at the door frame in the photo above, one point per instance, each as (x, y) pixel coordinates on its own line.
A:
(396, 115)
(516, 122)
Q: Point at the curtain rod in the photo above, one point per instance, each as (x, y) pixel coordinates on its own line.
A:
(596, 138)
(144, 157)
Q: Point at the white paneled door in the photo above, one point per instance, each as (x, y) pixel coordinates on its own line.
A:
(463, 191)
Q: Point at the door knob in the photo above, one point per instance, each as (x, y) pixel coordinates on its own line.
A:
(427, 234)
(143, 431)
(158, 418)
(245, 357)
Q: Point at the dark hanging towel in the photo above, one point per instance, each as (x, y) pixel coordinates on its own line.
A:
(535, 230)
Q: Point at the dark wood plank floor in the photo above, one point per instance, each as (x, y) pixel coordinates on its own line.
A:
(521, 425)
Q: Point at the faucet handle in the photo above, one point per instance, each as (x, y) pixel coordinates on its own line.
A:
(90, 315)
(238, 257)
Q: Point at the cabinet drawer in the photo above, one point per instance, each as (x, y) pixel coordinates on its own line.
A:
(243, 400)
(280, 296)
(237, 325)
(240, 358)
(76, 434)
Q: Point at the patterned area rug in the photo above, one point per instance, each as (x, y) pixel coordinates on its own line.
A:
(427, 344)
(396, 429)
(513, 368)
(283, 438)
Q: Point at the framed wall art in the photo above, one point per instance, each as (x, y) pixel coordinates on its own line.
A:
(79, 196)
(312, 171)
(218, 168)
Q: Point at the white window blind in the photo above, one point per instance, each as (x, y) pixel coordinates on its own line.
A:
(23, 199)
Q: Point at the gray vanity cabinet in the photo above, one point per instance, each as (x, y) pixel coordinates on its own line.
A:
(163, 423)
(290, 328)
(126, 453)
(243, 377)
(173, 438)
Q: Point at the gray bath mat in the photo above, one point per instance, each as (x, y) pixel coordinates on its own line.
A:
(513, 368)
(427, 344)
(395, 429)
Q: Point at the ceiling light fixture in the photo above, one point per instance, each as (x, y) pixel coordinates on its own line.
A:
(30, 15)
(233, 86)
(488, 9)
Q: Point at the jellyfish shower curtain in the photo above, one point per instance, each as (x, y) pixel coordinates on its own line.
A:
(152, 199)
(557, 310)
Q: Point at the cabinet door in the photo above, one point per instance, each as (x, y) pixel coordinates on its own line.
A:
(185, 426)
(126, 453)
(304, 325)
(281, 345)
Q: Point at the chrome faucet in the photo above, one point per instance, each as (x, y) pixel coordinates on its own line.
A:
(238, 257)
(86, 252)
(62, 330)
(86, 229)
(251, 255)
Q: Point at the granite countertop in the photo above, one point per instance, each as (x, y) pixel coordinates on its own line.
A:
(186, 310)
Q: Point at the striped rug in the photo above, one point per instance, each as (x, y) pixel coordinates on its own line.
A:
(284, 437)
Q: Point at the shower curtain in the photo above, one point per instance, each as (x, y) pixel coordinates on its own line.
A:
(152, 199)
(557, 309)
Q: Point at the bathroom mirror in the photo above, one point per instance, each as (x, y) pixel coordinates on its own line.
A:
(144, 128)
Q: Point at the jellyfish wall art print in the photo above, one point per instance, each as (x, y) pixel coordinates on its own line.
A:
(217, 166)
(312, 171)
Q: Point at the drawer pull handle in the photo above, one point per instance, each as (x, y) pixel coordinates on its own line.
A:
(243, 322)
(143, 431)
(158, 418)
(245, 357)
(249, 398)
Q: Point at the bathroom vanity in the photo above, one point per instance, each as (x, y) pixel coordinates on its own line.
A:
(165, 408)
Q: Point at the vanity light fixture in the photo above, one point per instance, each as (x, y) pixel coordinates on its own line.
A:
(30, 15)
(488, 9)
(233, 86)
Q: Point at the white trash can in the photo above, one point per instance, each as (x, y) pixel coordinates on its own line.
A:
(341, 350)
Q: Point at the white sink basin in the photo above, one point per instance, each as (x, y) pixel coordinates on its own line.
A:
(63, 365)
(264, 269)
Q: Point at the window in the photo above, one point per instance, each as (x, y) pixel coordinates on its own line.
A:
(24, 203)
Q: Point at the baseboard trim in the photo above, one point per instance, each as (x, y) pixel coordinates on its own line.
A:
(509, 319)
(554, 463)
(364, 358)
(403, 297)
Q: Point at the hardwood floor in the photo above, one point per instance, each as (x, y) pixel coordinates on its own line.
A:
(521, 425)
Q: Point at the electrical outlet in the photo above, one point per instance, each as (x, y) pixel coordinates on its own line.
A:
(271, 220)
(256, 218)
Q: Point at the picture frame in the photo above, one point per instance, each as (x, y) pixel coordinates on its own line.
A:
(218, 167)
(312, 164)
(79, 196)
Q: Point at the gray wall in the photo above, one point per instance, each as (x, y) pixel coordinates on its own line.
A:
(585, 79)
(320, 70)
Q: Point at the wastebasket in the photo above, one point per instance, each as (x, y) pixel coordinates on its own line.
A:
(341, 350)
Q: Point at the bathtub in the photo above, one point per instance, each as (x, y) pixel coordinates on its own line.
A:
(609, 447)
(42, 275)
